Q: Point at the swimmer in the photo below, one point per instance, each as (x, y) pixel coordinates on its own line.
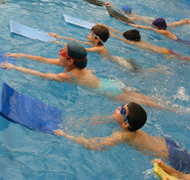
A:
(160, 27)
(3, 2)
(127, 10)
(132, 117)
(73, 58)
(97, 36)
(171, 171)
(133, 37)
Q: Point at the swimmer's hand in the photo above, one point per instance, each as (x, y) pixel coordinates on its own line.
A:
(7, 66)
(16, 55)
(108, 4)
(59, 132)
(53, 34)
(162, 165)
(99, 24)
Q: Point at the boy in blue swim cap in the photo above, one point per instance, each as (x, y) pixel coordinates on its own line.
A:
(73, 58)
(132, 117)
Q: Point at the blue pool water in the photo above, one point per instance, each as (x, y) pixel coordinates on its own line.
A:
(27, 154)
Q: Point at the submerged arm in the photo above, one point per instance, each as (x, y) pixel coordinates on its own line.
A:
(34, 58)
(93, 143)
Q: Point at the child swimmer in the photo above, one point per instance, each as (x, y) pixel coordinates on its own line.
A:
(73, 58)
(133, 37)
(132, 117)
(160, 27)
(97, 36)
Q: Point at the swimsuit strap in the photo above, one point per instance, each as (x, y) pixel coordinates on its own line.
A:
(72, 77)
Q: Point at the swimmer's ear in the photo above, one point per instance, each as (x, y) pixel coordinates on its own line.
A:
(125, 125)
(97, 39)
(70, 61)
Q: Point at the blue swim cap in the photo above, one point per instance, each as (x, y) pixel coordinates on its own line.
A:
(160, 23)
(126, 8)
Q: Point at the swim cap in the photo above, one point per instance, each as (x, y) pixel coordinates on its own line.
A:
(160, 23)
(102, 32)
(78, 53)
(126, 8)
(132, 35)
(137, 116)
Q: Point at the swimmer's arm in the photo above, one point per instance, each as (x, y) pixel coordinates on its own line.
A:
(70, 39)
(142, 27)
(171, 171)
(111, 29)
(34, 58)
(50, 76)
(122, 39)
(93, 143)
(179, 23)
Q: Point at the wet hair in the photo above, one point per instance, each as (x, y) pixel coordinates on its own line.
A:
(160, 23)
(132, 35)
(78, 53)
(137, 116)
(102, 32)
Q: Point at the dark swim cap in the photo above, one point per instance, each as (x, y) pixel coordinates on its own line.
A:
(160, 23)
(132, 35)
(78, 53)
(126, 8)
(137, 116)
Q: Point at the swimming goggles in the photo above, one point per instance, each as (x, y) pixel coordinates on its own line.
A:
(123, 112)
(96, 36)
(63, 53)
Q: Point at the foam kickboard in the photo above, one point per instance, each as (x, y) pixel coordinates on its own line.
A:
(29, 32)
(28, 112)
(118, 15)
(162, 174)
(78, 22)
(4, 58)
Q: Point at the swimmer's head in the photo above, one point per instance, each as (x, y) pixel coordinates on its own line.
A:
(126, 8)
(78, 54)
(137, 116)
(102, 32)
(160, 23)
(132, 35)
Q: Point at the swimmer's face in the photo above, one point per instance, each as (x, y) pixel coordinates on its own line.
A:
(63, 57)
(118, 116)
(91, 37)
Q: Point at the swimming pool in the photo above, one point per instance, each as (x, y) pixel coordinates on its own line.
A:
(27, 154)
